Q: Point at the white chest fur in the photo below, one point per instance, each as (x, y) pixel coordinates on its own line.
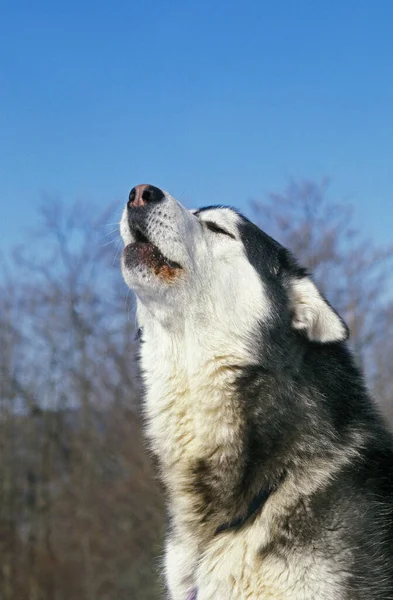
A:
(190, 404)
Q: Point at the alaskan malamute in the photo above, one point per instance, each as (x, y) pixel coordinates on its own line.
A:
(277, 466)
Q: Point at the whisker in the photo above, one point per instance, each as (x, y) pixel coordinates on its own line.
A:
(108, 243)
(118, 246)
(109, 233)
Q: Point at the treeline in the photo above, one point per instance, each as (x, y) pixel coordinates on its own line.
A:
(81, 515)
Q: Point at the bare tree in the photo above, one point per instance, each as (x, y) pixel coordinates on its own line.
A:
(80, 512)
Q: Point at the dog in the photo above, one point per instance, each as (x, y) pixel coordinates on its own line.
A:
(276, 464)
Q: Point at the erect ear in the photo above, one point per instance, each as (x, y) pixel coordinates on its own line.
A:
(313, 314)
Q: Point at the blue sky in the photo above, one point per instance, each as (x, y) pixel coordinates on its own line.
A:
(213, 101)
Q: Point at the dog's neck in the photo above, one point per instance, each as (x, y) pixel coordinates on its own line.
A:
(193, 421)
(192, 342)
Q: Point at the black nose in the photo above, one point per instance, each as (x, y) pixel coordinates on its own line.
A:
(144, 194)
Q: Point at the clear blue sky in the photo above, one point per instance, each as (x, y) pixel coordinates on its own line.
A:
(214, 101)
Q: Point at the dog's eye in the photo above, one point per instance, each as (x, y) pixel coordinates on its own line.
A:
(214, 227)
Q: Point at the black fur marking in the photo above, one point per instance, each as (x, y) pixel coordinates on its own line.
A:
(255, 506)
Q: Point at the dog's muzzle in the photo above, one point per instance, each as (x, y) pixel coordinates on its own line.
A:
(143, 251)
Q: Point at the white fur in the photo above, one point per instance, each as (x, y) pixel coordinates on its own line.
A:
(313, 314)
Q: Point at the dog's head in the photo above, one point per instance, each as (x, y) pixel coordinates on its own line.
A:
(216, 267)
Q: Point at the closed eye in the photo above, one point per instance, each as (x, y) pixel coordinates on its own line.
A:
(214, 227)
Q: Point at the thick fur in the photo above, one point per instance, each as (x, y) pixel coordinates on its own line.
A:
(249, 386)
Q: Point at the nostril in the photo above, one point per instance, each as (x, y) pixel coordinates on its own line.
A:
(147, 194)
(151, 193)
(131, 196)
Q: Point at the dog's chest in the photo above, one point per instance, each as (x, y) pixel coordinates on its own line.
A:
(236, 567)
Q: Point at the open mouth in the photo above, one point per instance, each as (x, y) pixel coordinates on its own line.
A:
(143, 250)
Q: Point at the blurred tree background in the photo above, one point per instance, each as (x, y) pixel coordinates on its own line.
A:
(81, 515)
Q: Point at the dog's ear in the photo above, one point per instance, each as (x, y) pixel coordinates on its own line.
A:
(312, 314)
